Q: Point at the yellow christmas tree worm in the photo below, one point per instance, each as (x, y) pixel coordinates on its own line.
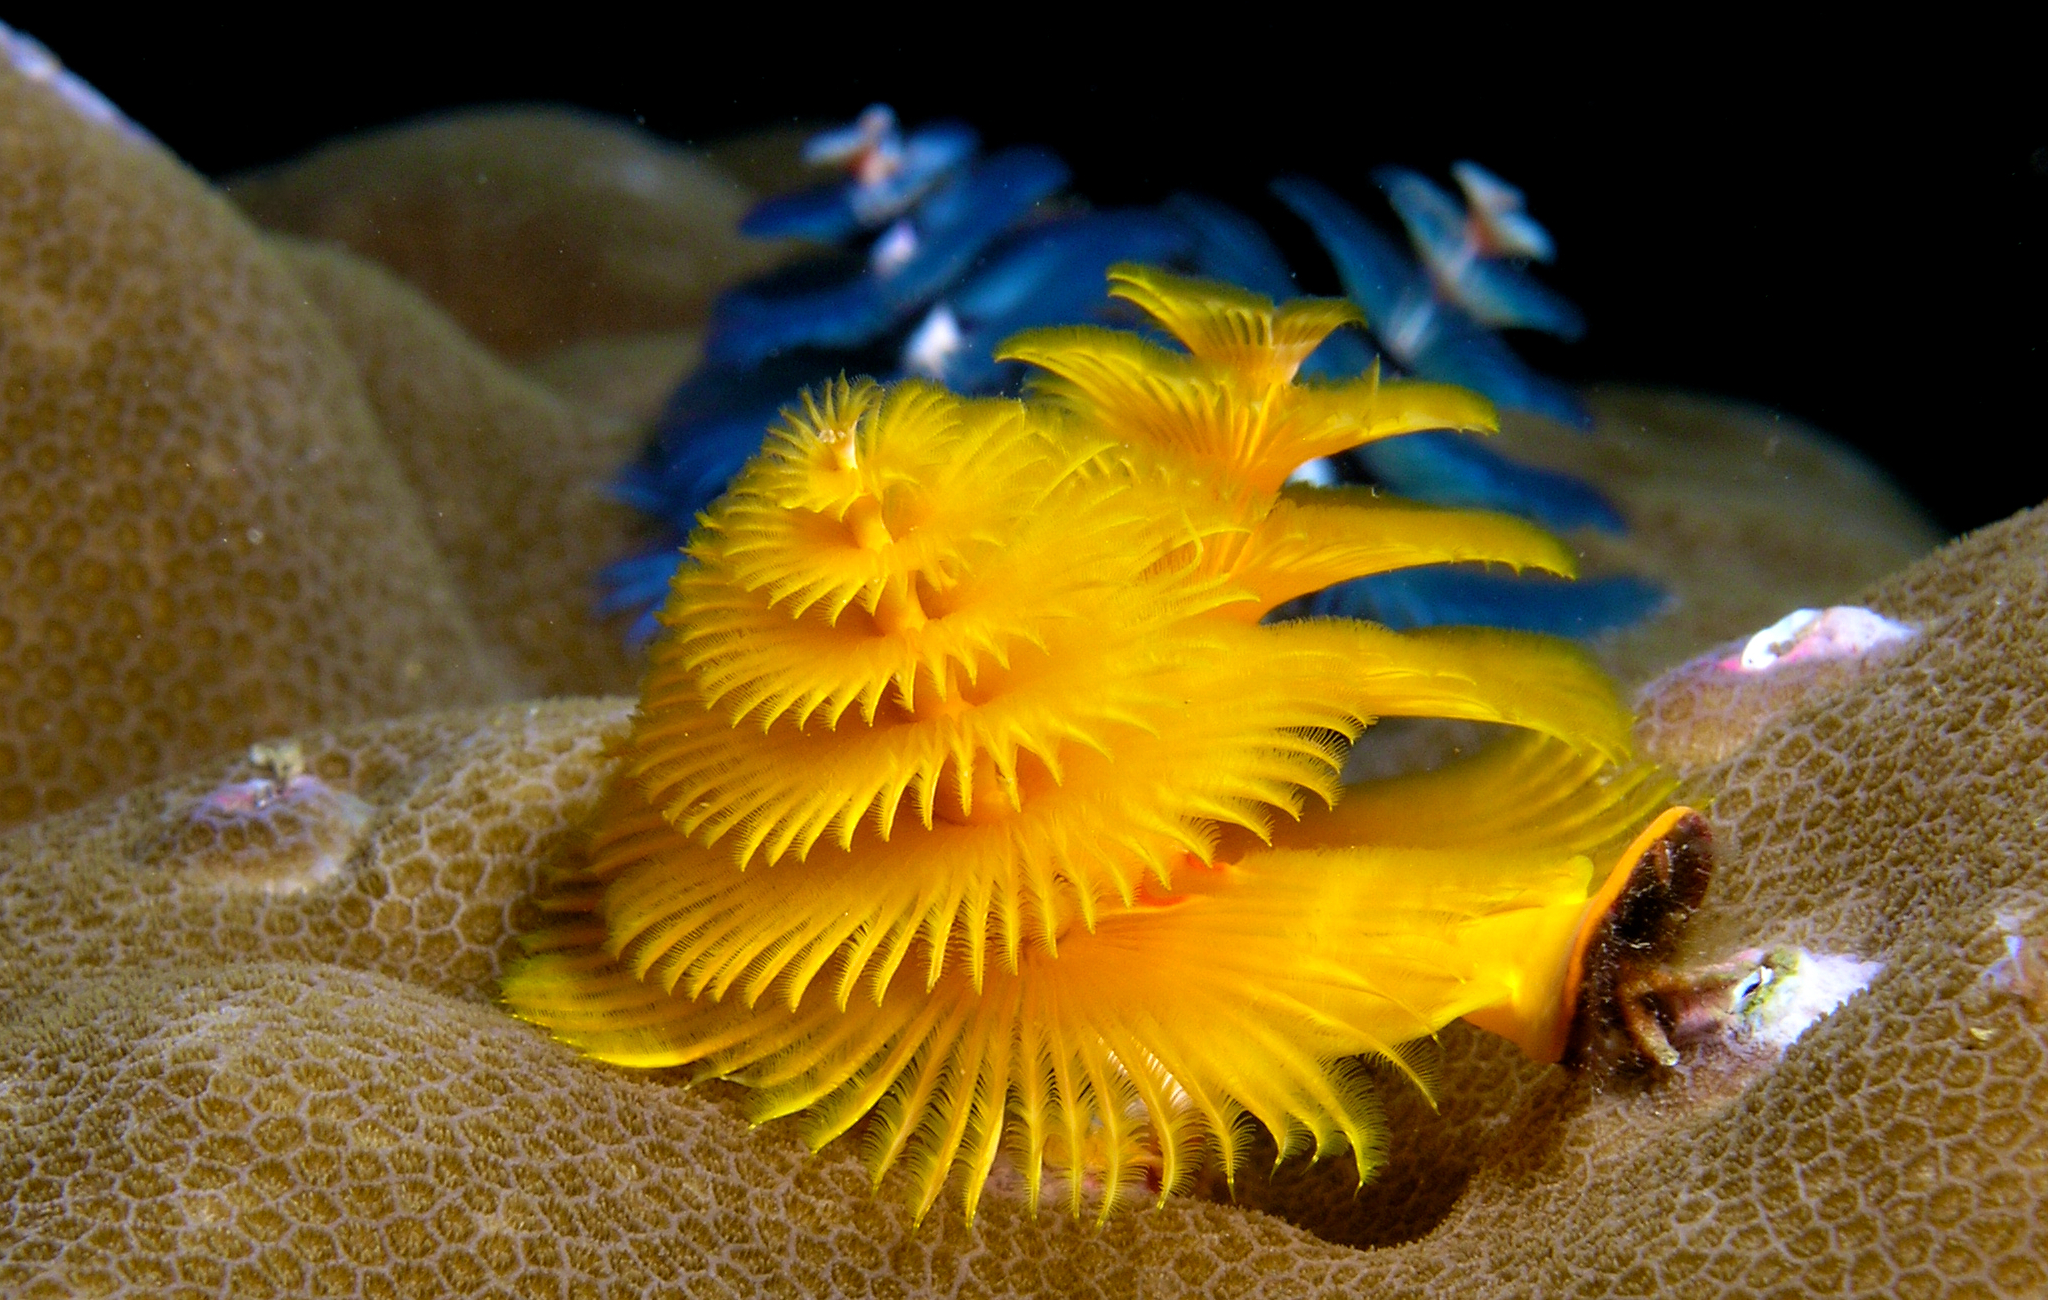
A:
(971, 802)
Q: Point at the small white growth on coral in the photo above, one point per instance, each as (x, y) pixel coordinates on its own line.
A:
(1837, 632)
(281, 833)
(282, 761)
(241, 798)
(1793, 988)
(1767, 647)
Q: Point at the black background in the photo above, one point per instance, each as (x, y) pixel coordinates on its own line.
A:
(1855, 240)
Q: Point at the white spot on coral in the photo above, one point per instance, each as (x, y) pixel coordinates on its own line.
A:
(33, 60)
(1768, 646)
(1837, 632)
(1794, 988)
(934, 343)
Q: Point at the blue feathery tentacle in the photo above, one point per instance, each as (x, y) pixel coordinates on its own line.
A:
(1051, 273)
(1458, 469)
(1231, 247)
(908, 266)
(1493, 290)
(1466, 594)
(842, 209)
(1422, 332)
(943, 255)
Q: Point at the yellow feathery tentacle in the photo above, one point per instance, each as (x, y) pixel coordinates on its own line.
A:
(1306, 957)
(1525, 788)
(1097, 834)
(1231, 327)
(1126, 384)
(1474, 673)
(1335, 417)
(1230, 405)
(1237, 432)
(677, 912)
(1317, 537)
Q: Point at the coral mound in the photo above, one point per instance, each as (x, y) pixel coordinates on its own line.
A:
(203, 538)
(510, 476)
(533, 227)
(410, 848)
(321, 1132)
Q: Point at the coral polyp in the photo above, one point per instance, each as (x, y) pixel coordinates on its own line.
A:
(972, 801)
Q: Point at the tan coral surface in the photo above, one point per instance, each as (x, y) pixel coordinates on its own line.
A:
(533, 227)
(511, 477)
(202, 535)
(426, 873)
(286, 1128)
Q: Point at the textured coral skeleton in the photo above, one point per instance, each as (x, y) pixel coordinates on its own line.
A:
(972, 801)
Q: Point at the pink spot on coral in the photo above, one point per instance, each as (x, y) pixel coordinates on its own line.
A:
(1706, 708)
(275, 834)
(1837, 632)
(241, 798)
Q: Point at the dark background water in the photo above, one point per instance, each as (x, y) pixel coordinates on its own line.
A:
(1861, 242)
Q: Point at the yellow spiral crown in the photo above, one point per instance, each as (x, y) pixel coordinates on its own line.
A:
(971, 799)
